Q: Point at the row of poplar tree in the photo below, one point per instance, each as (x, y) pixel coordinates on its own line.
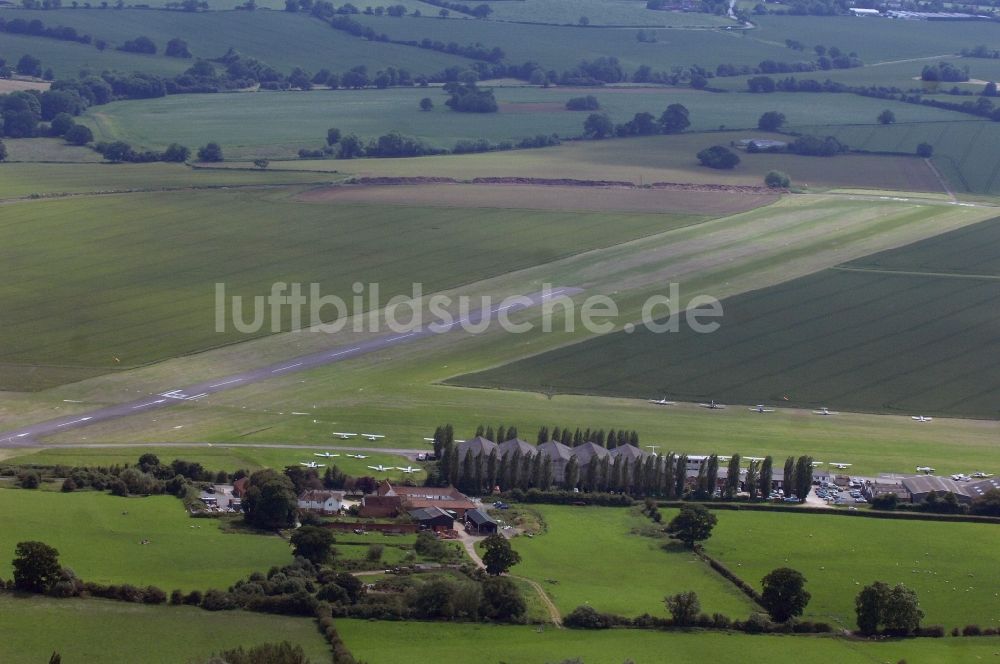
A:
(663, 476)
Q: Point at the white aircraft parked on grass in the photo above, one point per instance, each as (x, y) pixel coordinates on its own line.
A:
(456, 440)
(981, 475)
(662, 402)
(312, 464)
(926, 470)
(817, 463)
(382, 469)
(711, 405)
(357, 456)
(759, 408)
(409, 469)
(344, 436)
(754, 458)
(372, 436)
(825, 411)
(840, 466)
(921, 418)
(325, 455)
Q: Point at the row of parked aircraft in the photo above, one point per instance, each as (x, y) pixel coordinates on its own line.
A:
(761, 408)
(345, 435)
(384, 469)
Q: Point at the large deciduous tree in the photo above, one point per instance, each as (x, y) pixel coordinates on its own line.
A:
(499, 556)
(36, 567)
(270, 501)
(313, 543)
(785, 595)
(693, 524)
(683, 607)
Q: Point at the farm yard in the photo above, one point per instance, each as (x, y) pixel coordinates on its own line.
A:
(571, 558)
(381, 643)
(100, 537)
(848, 338)
(949, 565)
(96, 631)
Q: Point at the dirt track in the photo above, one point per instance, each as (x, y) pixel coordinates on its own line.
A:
(549, 195)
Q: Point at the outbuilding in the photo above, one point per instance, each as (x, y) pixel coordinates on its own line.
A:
(432, 518)
(479, 522)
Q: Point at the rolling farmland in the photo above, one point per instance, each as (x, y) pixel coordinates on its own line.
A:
(244, 123)
(280, 39)
(849, 337)
(381, 643)
(949, 565)
(963, 151)
(96, 631)
(100, 536)
(125, 309)
(569, 559)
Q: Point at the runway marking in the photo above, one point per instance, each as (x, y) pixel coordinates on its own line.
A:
(66, 424)
(290, 366)
(228, 382)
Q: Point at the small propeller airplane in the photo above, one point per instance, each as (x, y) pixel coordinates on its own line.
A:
(662, 402)
(372, 436)
(926, 470)
(711, 405)
(981, 475)
(325, 455)
(380, 468)
(960, 478)
(841, 466)
(817, 463)
(759, 408)
(312, 464)
(921, 418)
(749, 458)
(409, 469)
(356, 456)
(456, 440)
(343, 435)
(825, 411)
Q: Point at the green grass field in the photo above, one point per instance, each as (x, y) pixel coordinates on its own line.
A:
(846, 338)
(961, 149)
(100, 536)
(67, 59)
(24, 180)
(874, 40)
(224, 457)
(136, 309)
(560, 48)
(405, 400)
(599, 13)
(99, 631)
(591, 556)
(280, 39)
(244, 124)
(950, 565)
(424, 643)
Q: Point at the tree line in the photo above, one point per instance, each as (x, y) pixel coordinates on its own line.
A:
(663, 476)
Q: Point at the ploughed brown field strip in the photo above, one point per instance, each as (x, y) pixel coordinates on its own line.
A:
(712, 201)
(13, 85)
